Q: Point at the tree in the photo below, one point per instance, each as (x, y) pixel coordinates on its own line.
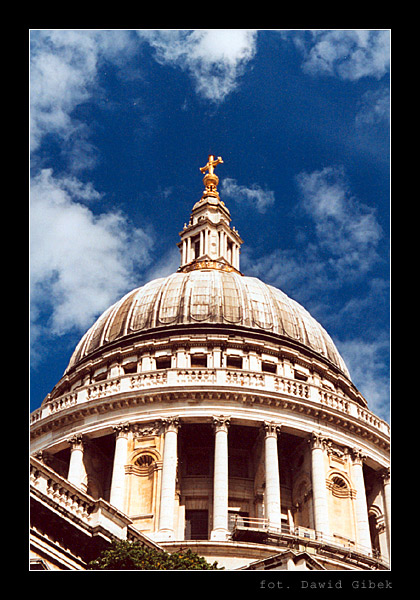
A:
(128, 556)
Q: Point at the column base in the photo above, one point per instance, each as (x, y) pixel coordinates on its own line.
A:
(164, 535)
(220, 535)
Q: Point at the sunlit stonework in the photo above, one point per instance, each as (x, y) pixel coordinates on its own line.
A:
(209, 410)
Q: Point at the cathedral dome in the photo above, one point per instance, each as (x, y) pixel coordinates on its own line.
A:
(208, 297)
(208, 410)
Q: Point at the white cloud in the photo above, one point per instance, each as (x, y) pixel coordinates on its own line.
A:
(374, 108)
(347, 54)
(80, 262)
(338, 244)
(253, 195)
(214, 58)
(338, 249)
(63, 74)
(368, 363)
(346, 228)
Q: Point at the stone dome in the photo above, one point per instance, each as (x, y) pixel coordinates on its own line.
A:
(208, 297)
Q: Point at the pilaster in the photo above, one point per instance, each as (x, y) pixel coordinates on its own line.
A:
(385, 475)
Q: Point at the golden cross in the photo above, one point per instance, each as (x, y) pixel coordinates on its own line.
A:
(211, 164)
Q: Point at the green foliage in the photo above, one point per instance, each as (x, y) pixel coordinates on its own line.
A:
(128, 556)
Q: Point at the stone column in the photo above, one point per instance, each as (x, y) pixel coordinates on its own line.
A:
(386, 482)
(77, 471)
(272, 475)
(362, 519)
(118, 472)
(319, 488)
(220, 482)
(169, 469)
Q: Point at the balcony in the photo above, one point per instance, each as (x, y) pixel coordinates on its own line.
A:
(247, 386)
(260, 531)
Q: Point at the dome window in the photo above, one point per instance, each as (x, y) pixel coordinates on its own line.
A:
(300, 376)
(199, 361)
(268, 367)
(234, 362)
(339, 487)
(130, 367)
(163, 362)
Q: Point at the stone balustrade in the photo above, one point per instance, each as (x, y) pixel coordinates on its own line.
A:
(221, 378)
(91, 516)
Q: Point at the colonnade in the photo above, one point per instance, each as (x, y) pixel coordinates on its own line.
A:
(272, 498)
(225, 248)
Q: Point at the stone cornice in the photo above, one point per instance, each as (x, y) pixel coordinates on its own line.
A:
(260, 399)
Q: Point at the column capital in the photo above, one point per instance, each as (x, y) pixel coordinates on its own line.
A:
(76, 442)
(221, 423)
(45, 457)
(385, 475)
(358, 456)
(271, 428)
(121, 429)
(171, 424)
(317, 441)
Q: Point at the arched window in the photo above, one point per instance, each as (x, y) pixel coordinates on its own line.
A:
(339, 487)
(142, 485)
(145, 460)
(340, 508)
(376, 527)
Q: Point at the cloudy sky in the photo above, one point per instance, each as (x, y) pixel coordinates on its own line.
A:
(121, 121)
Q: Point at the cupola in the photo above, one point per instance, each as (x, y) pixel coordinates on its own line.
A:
(208, 241)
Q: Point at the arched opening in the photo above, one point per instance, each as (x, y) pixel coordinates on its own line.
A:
(375, 528)
(142, 473)
(340, 509)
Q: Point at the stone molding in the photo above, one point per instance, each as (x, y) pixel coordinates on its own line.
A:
(352, 424)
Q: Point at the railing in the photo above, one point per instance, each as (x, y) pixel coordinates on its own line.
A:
(304, 536)
(75, 501)
(228, 378)
(89, 514)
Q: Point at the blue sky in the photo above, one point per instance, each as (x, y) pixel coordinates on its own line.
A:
(121, 121)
